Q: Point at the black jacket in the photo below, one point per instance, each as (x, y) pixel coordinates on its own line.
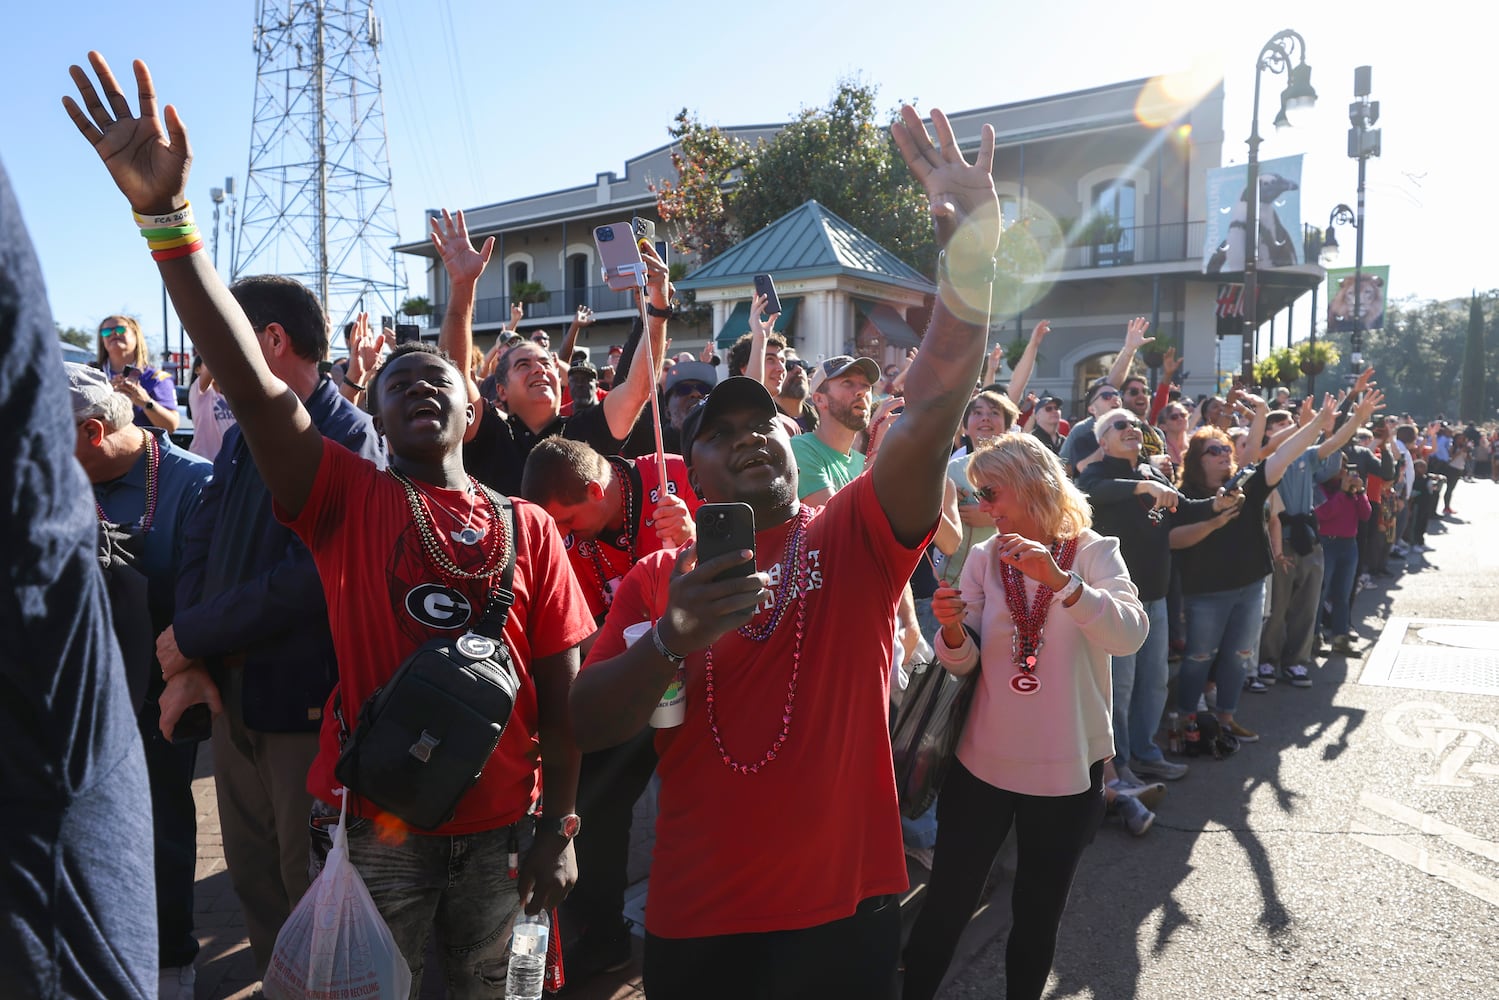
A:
(248, 587)
(1119, 512)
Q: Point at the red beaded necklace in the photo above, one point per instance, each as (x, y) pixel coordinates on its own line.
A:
(798, 576)
(594, 551)
(1030, 622)
(153, 466)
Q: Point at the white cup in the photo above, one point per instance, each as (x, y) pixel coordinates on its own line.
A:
(671, 710)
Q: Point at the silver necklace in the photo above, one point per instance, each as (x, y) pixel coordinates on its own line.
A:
(466, 533)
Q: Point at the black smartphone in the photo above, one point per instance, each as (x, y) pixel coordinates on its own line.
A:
(766, 287)
(1239, 477)
(726, 527)
(194, 726)
(661, 251)
(408, 333)
(131, 372)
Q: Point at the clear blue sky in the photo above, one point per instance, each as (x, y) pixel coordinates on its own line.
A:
(491, 101)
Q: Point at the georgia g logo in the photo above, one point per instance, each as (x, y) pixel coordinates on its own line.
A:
(437, 606)
(1024, 684)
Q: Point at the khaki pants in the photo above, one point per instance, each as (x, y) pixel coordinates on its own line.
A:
(1295, 602)
(261, 780)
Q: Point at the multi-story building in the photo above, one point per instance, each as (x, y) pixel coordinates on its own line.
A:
(1107, 189)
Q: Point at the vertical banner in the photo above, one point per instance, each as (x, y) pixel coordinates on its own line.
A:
(1373, 289)
(1228, 215)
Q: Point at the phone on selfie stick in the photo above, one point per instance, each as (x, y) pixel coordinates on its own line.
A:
(722, 528)
(619, 256)
(766, 287)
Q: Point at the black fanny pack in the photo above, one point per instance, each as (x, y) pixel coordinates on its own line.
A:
(423, 737)
(1301, 531)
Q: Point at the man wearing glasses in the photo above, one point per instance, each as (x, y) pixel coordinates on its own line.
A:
(1081, 447)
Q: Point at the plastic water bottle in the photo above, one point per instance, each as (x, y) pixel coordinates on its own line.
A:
(528, 957)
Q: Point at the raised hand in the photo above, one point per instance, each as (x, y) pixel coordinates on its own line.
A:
(657, 279)
(1372, 402)
(706, 354)
(149, 164)
(364, 349)
(1170, 364)
(583, 317)
(965, 207)
(1137, 333)
(759, 324)
(517, 313)
(672, 521)
(1039, 332)
(462, 261)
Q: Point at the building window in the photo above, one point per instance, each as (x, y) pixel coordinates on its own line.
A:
(1114, 219)
(1084, 374)
(519, 273)
(577, 281)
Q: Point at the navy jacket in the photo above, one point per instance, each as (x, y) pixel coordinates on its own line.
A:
(248, 586)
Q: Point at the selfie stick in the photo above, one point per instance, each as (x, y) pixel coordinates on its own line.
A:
(650, 361)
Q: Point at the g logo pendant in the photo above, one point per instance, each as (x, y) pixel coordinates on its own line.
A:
(1025, 684)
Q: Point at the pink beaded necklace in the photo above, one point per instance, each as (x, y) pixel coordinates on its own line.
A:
(796, 586)
(1030, 622)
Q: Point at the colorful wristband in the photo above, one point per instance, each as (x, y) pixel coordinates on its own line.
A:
(172, 244)
(173, 254)
(177, 218)
(170, 232)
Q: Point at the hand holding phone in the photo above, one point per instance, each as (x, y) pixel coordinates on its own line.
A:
(723, 528)
(766, 287)
(619, 256)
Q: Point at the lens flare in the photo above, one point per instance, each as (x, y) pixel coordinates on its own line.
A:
(1163, 99)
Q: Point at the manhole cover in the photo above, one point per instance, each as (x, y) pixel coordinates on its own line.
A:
(1436, 655)
(1465, 636)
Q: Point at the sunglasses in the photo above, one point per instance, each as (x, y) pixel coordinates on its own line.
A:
(1217, 449)
(1052, 408)
(688, 388)
(984, 493)
(1121, 424)
(1176, 415)
(111, 331)
(1106, 394)
(1135, 391)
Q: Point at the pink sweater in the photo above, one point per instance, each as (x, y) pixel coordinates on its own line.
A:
(1340, 512)
(1044, 743)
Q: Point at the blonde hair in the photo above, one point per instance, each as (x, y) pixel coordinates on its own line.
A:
(142, 352)
(1035, 474)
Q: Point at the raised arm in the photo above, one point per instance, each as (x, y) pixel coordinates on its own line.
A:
(1027, 363)
(1304, 438)
(150, 165)
(760, 326)
(583, 317)
(1136, 336)
(909, 472)
(464, 265)
(624, 402)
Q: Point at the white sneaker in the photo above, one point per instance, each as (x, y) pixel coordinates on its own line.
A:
(176, 982)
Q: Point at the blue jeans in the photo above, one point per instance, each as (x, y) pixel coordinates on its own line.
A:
(461, 885)
(1341, 560)
(1140, 691)
(1223, 637)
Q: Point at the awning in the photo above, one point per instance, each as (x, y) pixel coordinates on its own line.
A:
(892, 326)
(737, 325)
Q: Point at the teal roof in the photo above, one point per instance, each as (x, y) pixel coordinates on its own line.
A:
(807, 242)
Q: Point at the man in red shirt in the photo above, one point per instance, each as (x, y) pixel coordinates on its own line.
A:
(611, 512)
(778, 844)
(396, 574)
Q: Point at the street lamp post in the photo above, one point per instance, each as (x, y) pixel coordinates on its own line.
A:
(1341, 215)
(1363, 142)
(1276, 57)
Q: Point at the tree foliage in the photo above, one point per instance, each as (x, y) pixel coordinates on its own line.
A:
(1471, 407)
(417, 305)
(695, 206)
(1420, 356)
(75, 336)
(839, 155)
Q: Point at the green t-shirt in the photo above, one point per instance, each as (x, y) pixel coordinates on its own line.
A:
(819, 467)
(950, 568)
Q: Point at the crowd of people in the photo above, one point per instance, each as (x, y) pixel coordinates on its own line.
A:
(1110, 586)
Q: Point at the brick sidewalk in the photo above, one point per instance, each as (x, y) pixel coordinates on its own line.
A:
(226, 968)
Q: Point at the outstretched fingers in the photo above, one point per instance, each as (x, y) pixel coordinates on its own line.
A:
(914, 144)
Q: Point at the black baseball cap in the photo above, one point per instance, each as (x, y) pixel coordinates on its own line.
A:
(736, 393)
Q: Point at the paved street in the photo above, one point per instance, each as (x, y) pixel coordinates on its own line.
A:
(1349, 853)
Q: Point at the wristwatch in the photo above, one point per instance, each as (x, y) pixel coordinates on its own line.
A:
(651, 310)
(1074, 584)
(149, 405)
(566, 827)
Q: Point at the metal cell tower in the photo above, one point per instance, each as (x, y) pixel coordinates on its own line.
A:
(318, 204)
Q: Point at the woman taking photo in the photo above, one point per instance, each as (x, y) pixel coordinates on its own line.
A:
(123, 356)
(1049, 601)
(1224, 560)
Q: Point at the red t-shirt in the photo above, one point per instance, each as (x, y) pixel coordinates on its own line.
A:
(385, 598)
(817, 830)
(601, 563)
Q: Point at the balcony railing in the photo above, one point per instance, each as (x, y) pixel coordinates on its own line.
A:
(1167, 243)
(557, 305)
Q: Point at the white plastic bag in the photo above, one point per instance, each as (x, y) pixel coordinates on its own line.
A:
(335, 943)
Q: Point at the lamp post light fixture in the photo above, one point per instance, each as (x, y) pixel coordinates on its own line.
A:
(1341, 215)
(1276, 56)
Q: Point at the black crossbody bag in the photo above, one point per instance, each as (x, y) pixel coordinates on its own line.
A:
(424, 736)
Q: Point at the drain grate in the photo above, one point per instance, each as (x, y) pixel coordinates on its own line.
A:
(1402, 659)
